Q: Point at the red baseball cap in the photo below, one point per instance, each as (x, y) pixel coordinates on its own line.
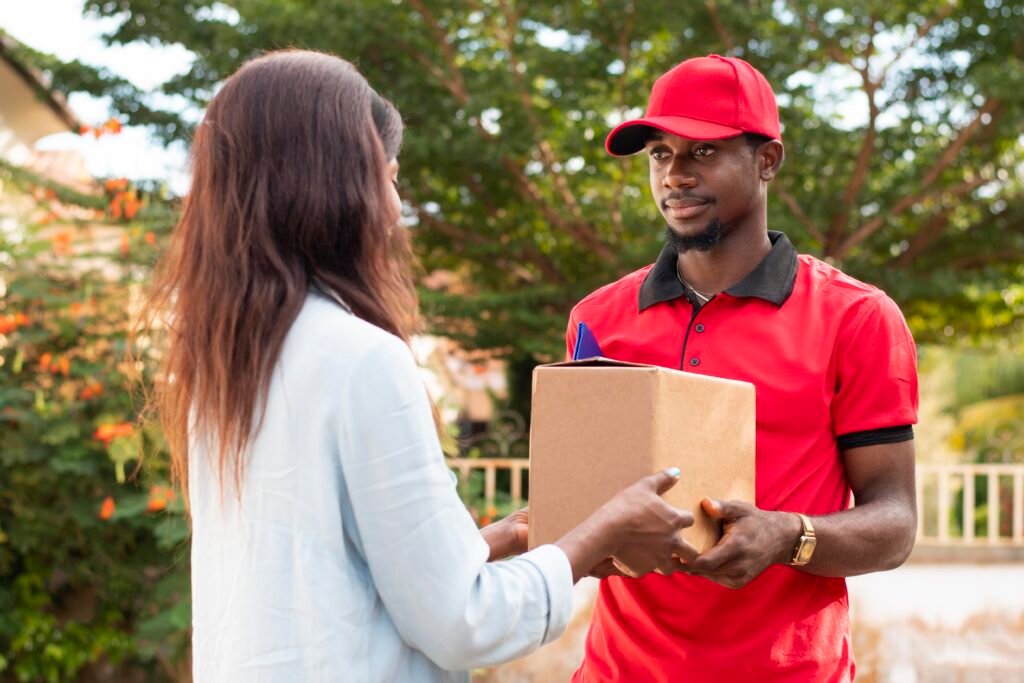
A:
(704, 98)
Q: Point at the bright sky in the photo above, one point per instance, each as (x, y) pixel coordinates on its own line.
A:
(58, 27)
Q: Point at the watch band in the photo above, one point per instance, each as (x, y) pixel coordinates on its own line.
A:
(805, 546)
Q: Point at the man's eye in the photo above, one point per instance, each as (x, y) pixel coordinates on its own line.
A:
(703, 151)
(659, 155)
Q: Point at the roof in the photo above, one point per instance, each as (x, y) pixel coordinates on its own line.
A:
(34, 78)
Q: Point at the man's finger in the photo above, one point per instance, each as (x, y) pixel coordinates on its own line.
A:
(712, 560)
(723, 509)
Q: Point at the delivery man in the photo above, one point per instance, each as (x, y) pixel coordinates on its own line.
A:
(834, 368)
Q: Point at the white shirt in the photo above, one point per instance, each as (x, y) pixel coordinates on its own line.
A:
(351, 556)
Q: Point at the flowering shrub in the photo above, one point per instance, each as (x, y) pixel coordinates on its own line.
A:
(93, 541)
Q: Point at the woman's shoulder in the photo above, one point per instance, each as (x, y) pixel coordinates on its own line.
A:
(335, 339)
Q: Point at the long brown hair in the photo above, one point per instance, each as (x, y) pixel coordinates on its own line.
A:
(289, 190)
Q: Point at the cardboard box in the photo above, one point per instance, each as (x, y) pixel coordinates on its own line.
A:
(599, 425)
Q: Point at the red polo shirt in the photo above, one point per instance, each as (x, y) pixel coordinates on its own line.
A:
(835, 368)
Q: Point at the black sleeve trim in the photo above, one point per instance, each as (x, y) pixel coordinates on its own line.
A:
(873, 437)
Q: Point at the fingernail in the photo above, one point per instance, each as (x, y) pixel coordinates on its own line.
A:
(674, 471)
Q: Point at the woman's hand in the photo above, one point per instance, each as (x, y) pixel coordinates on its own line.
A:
(649, 539)
(507, 536)
(636, 528)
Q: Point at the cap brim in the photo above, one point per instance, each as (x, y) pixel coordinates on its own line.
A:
(629, 136)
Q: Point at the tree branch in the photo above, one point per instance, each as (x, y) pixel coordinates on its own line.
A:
(869, 228)
(988, 259)
(861, 166)
(798, 212)
(923, 238)
(622, 50)
(530, 189)
(992, 107)
(716, 21)
(615, 205)
(580, 229)
(831, 49)
(529, 253)
(922, 31)
(455, 84)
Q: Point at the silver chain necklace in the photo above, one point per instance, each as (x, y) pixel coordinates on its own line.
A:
(703, 297)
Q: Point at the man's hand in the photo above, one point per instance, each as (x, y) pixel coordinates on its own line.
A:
(507, 536)
(752, 540)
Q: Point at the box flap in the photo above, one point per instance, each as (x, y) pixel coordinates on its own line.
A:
(601, 362)
(598, 361)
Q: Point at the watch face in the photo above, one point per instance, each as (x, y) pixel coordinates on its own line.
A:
(806, 550)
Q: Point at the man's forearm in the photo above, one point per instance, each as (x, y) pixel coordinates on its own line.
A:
(871, 537)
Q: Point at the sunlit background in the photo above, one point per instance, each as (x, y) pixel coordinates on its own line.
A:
(903, 129)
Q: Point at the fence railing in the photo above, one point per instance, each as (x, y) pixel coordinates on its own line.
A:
(970, 505)
(516, 466)
(957, 505)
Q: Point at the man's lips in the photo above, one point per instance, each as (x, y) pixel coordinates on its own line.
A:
(685, 208)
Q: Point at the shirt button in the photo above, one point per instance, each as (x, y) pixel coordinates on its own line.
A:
(700, 327)
(695, 362)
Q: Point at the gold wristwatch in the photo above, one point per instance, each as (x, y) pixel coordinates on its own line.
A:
(805, 547)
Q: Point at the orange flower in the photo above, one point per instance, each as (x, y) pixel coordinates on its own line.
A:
(8, 324)
(20, 319)
(131, 206)
(97, 132)
(112, 126)
(107, 432)
(115, 206)
(116, 185)
(84, 129)
(150, 238)
(125, 244)
(159, 497)
(61, 242)
(64, 365)
(91, 390)
(75, 309)
(44, 361)
(107, 508)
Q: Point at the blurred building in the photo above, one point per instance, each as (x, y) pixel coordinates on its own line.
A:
(29, 110)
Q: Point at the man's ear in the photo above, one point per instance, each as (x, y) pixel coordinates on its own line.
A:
(769, 159)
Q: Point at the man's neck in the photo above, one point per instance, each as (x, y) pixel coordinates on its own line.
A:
(713, 271)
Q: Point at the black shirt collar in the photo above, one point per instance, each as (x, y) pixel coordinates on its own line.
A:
(772, 280)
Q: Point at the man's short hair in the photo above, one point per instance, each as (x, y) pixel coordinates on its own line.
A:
(755, 140)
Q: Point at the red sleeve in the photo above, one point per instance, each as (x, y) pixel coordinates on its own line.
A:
(876, 370)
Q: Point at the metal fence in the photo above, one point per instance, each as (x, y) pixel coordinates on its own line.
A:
(958, 505)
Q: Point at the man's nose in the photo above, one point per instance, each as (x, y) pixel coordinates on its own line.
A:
(679, 176)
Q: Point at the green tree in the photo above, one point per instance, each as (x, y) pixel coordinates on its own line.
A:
(93, 561)
(902, 121)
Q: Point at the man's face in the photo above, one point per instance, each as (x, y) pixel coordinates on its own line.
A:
(704, 188)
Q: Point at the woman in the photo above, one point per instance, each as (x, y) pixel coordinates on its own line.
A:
(328, 539)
